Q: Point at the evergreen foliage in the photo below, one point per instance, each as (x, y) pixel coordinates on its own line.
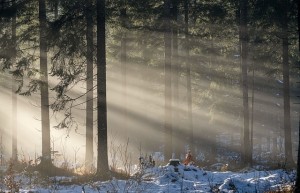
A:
(201, 57)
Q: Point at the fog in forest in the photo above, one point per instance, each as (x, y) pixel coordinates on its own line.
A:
(136, 107)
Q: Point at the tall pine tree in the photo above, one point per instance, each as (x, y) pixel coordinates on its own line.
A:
(14, 94)
(286, 85)
(168, 91)
(244, 38)
(89, 85)
(46, 150)
(102, 156)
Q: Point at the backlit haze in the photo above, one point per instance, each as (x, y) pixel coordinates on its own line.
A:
(136, 109)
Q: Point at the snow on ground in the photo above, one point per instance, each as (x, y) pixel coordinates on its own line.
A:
(167, 179)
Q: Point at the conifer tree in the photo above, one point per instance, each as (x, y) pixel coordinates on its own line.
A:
(246, 157)
(89, 85)
(123, 60)
(14, 94)
(168, 92)
(188, 77)
(175, 73)
(297, 189)
(46, 146)
(286, 85)
(102, 156)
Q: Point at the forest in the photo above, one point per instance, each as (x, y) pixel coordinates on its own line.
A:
(109, 88)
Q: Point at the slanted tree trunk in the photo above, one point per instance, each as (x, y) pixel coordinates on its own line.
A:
(46, 152)
(286, 87)
(246, 157)
(14, 95)
(188, 78)
(102, 155)
(89, 87)
(168, 91)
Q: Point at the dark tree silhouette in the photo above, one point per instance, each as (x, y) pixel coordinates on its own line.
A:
(175, 75)
(102, 156)
(46, 150)
(89, 85)
(168, 91)
(14, 94)
(188, 77)
(124, 22)
(297, 188)
(286, 85)
(246, 157)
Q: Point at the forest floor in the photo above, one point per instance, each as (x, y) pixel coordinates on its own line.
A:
(161, 179)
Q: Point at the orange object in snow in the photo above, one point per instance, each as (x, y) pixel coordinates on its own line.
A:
(188, 159)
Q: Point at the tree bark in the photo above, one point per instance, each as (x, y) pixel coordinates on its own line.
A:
(252, 114)
(1, 148)
(246, 157)
(102, 156)
(188, 78)
(175, 69)
(123, 18)
(46, 152)
(14, 95)
(168, 91)
(89, 86)
(297, 186)
(286, 88)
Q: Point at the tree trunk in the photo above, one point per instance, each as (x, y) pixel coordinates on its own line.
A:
(274, 144)
(89, 86)
(46, 153)
(212, 145)
(269, 139)
(246, 157)
(286, 88)
(1, 148)
(102, 156)
(123, 66)
(168, 90)
(14, 95)
(297, 186)
(252, 114)
(175, 65)
(188, 78)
